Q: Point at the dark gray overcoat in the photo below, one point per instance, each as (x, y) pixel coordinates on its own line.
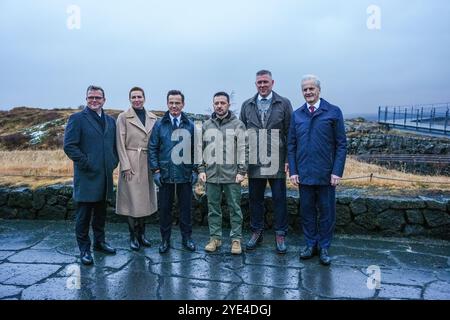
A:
(94, 155)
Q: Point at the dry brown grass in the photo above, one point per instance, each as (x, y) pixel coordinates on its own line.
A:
(43, 166)
(37, 167)
(34, 168)
(354, 168)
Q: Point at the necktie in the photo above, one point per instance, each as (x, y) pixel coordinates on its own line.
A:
(263, 110)
(175, 123)
(312, 108)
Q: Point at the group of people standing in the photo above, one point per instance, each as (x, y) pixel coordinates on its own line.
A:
(267, 142)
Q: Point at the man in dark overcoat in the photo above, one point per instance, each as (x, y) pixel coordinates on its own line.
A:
(90, 142)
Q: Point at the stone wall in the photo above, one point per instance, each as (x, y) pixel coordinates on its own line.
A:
(382, 143)
(356, 213)
(372, 138)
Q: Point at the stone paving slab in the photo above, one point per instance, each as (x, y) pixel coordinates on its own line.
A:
(39, 260)
(7, 291)
(172, 288)
(41, 256)
(25, 274)
(438, 290)
(6, 254)
(246, 291)
(336, 282)
(399, 292)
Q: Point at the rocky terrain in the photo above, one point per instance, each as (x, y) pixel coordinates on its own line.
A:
(25, 128)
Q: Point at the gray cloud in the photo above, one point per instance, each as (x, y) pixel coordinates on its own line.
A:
(203, 46)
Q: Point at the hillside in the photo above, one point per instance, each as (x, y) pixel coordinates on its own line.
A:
(31, 140)
(25, 128)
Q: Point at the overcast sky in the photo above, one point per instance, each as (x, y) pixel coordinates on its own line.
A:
(205, 46)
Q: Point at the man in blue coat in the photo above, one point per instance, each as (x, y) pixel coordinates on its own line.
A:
(90, 142)
(317, 148)
(171, 159)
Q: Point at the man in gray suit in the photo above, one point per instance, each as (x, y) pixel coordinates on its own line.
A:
(267, 116)
(90, 142)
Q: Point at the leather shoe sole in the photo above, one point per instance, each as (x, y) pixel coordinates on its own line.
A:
(164, 247)
(324, 258)
(87, 260)
(325, 262)
(105, 250)
(281, 250)
(251, 245)
(189, 245)
(305, 256)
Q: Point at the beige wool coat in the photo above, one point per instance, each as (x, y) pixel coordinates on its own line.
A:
(135, 198)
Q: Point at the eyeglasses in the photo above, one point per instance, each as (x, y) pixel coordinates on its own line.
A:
(94, 98)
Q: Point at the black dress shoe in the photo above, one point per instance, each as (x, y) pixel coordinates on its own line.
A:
(143, 241)
(134, 243)
(104, 247)
(308, 252)
(86, 258)
(188, 244)
(256, 238)
(280, 244)
(324, 257)
(164, 246)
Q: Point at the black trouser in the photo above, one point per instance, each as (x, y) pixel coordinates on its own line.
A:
(83, 218)
(257, 187)
(166, 197)
(318, 211)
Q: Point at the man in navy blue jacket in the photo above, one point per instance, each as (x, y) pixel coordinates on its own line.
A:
(317, 148)
(90, 142)
(171, 160)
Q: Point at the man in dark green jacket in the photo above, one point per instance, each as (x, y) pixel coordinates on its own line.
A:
(223, 169)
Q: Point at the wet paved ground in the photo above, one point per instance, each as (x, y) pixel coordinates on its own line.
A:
(39, 260)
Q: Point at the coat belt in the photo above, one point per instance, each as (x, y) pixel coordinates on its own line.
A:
(139, 150)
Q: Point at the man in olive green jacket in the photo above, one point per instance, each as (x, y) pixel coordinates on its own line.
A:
(223, 169)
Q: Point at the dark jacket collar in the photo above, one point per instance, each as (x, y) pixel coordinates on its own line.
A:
(276, 98)
(88, 110)
(183, 118)
(95, 120)
(214, 115)
(324, 106)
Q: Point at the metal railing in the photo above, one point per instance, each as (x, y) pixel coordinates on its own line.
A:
(432, 118)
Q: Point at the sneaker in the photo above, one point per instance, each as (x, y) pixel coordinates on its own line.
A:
(213, 245)
(236, 247)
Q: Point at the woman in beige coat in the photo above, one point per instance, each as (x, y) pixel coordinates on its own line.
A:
(136, 193)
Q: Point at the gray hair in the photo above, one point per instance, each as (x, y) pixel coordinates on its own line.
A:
(263, 73)
(95, 88)
(311, 77)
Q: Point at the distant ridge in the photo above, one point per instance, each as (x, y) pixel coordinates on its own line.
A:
(366, 116)
(23, 128)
